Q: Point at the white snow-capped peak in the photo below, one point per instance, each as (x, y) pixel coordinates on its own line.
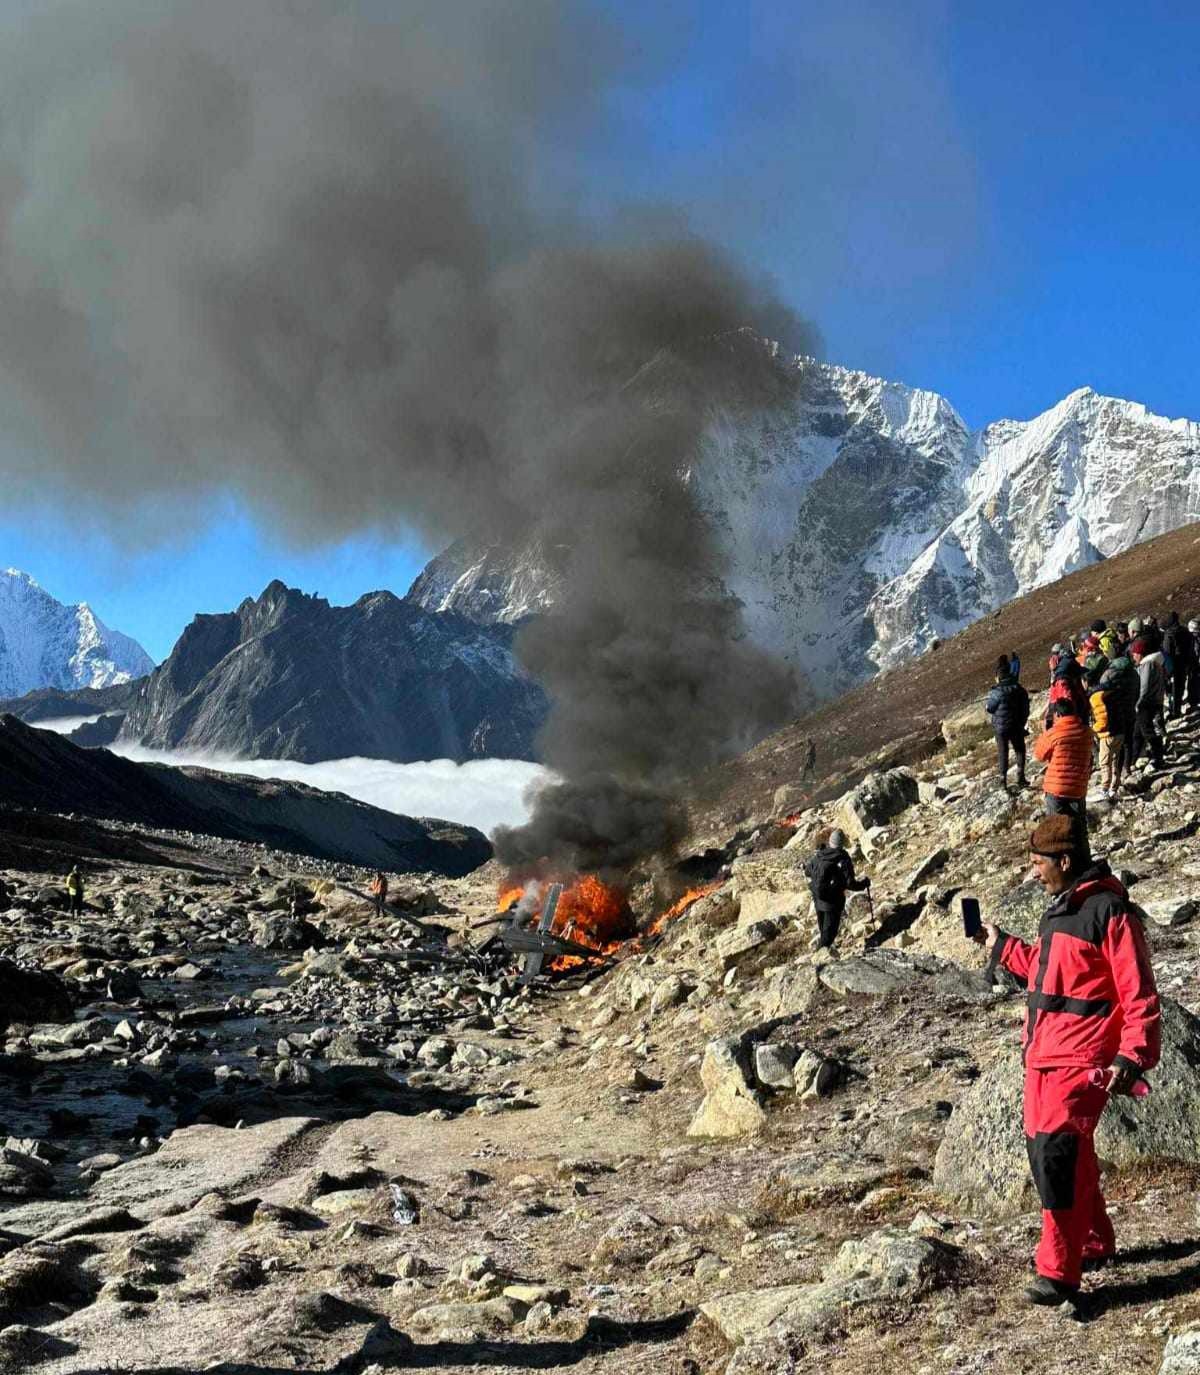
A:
(44, 643)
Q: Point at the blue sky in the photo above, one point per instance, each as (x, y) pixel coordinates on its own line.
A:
(1001, 205)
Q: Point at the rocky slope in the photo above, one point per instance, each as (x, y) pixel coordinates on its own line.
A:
(863, 520)
(43, 772)
(44, 644)
(720, 1155)
(287, 676)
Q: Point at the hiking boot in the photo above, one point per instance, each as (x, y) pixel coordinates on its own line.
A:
(1093, 1263)
(1050, 1293)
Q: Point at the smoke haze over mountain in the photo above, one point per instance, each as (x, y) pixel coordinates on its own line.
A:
(309, 254)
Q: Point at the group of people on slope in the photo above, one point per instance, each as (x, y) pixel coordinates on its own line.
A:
(1112, 690)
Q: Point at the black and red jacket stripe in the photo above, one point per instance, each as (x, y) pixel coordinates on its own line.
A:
(1092, 997)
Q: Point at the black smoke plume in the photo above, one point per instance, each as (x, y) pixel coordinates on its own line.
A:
(311, 254)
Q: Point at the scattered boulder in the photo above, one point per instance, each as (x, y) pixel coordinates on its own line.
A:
(815, 1075)
(929, 866)
(29, 996)
(739, 941)
(982, 1157)
(1181, 1355)
(1171, 911)
(774, 1063)
(731, 1105)
(275, 931)
(887, 1266)
(878, 798)
(966, 727)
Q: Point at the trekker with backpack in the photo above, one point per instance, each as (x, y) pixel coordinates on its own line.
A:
(1008, 706)
(830, 873)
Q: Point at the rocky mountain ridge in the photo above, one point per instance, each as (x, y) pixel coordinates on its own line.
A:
(863, 520)
(46, 644)
(288, 676)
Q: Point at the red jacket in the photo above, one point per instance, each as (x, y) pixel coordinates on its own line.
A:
(1092, 997)
(1066, 750)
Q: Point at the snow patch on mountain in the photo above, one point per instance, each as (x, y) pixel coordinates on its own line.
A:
(44, 643)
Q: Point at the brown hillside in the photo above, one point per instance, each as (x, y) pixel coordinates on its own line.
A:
(896, 717)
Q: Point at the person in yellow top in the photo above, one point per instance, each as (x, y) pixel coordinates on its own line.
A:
(1107, 729)
(75, 891)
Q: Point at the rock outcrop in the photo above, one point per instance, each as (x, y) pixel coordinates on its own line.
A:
(982, 1158)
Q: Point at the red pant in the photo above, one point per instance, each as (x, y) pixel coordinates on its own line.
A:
(1061, 1112)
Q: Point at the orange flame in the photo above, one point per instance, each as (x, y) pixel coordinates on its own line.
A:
(793, 820)
(590, 912)
(679, 907)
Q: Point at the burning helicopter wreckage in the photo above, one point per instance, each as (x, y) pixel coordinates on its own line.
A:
(584, 924)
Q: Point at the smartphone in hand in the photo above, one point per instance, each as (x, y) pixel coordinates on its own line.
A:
(972, 922)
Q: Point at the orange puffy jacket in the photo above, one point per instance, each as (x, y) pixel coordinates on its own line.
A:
(1066, 750)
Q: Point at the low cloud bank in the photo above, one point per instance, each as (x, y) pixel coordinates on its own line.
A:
(483, 793)
(64, 725)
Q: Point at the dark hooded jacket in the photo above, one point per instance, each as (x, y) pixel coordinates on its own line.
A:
(1092, 997)
(1122, 688)
(1008, 706)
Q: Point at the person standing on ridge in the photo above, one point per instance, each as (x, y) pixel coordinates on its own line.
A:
(1008, 706)
(809, 770)
(1092, 1030)
(1151, 686)
(1105, 723)
(75, 891)
(379, 891)
(1178, 648)
(1066, 750)
(1014, 665)
(1193, 680)
(830, 873)
(1120, 689)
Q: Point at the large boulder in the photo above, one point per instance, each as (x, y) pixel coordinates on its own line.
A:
(966, 727)
(28, 996)
(731, 1105)
(878, 798)
(982, 1158)
(277, 932)
(887, 1266)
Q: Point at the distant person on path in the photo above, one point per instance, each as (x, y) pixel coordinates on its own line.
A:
(1014, 665)
(809, 769)
(830, 873)
(379, 891)
(1093, 1015)
(75, 891)
(1151, 686)
(1066, 750)
(1008, 706)
(1178, 651)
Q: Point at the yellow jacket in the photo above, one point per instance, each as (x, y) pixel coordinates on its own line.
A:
(1099, 714)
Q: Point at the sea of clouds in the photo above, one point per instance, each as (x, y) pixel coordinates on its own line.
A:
(483, 792)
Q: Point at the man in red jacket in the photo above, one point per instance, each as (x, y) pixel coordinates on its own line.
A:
(1093, 1015)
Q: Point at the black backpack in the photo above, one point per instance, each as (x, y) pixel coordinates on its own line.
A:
(827, 882)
